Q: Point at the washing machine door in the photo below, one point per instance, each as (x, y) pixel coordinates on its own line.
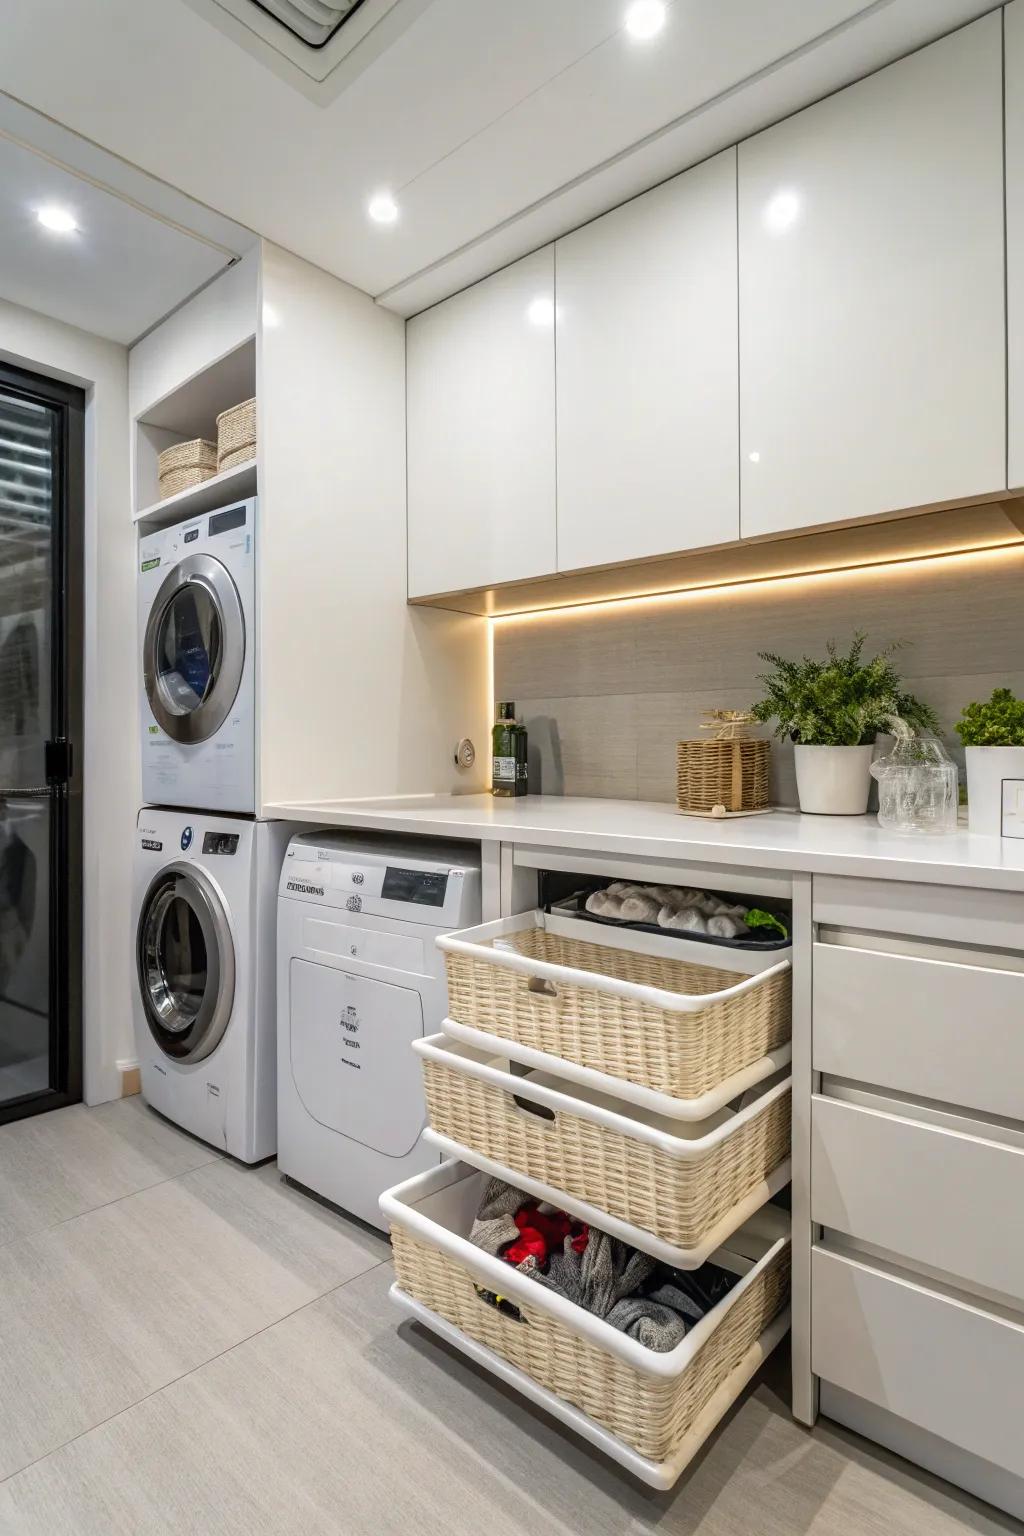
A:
(186, 963)
(193, 651)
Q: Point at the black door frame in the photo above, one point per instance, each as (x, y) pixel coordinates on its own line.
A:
(64, 750)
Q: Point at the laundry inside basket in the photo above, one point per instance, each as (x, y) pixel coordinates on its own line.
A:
(631, 1291)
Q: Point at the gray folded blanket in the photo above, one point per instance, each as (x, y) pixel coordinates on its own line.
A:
(628, 1289)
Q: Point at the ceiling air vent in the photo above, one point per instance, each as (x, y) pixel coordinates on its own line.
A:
(311, 20)
(314, 45)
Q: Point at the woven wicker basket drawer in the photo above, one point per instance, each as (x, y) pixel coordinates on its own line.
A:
(679, 1182)
(679, 1018)
(648, 1400)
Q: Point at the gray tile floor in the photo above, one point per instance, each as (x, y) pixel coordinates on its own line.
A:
(191, 1348)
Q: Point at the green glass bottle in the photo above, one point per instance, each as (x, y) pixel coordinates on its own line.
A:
(505, 752)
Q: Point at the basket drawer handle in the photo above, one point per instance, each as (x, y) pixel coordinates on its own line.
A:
(541, 987)
(539, 1111)
(494, 1301)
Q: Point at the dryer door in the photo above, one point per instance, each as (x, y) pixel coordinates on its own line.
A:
(193, 651)
(353, 1069)
(186, 963)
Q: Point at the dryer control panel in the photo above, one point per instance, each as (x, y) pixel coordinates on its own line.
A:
(391, 881)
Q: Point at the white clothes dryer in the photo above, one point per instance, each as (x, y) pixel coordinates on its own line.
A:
(204, 996)
(197, 633)
(360, 978)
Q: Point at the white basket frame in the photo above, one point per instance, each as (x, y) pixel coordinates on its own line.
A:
(476, 944)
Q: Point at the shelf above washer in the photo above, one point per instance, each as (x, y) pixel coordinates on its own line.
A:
(231, 485)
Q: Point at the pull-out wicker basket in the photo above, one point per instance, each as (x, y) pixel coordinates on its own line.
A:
(236, 435)
(630, 1005)
(648, 1400)
(185, 465)
(679, 1182)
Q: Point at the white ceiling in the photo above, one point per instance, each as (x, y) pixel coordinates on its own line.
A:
(498, 124)
(116, 275)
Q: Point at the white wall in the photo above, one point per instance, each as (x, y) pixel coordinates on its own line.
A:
(360, 694)
(111, 791)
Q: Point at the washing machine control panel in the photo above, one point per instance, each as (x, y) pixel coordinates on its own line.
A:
(220, 842)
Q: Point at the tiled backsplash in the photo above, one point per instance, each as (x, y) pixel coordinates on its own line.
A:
(607, 692)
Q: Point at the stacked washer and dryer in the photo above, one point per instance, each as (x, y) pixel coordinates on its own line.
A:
(280, 976)
(206, 871)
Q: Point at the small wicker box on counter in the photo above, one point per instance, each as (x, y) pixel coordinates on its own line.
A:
(649, 1401)
(185, 465)
(724, 774)
(685, 1185)
(236, 435)
(668, 1014)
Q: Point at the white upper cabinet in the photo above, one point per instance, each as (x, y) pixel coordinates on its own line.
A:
(872, 329)
(481, 433)
(1014, 22)
(647, 374)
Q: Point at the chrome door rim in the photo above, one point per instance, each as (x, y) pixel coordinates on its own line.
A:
(200, 1035)
(207, 718)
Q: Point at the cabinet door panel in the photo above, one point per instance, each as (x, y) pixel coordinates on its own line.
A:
(647, 374)
(481, 433)
(1014, 40)
(872, 332)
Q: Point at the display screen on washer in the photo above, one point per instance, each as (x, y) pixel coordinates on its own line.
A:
(223, 522)
(220, 842)
(425, 888)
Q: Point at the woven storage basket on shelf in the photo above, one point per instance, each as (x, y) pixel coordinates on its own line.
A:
(684, 1054)
(185, 465)
(650, 1413)
(236, 435)
(680, 1199)
(729, 773)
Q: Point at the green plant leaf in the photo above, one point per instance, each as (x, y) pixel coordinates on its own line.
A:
(843, 701)
(994, 722)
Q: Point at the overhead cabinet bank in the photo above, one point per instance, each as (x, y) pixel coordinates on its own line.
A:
(806, 330)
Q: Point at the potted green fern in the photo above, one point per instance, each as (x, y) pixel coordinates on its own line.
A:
(832, 710)
(992, 730)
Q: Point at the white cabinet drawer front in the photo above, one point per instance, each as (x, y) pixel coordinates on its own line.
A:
(933, 1196)
(944, 1365)
(925, 1027)
(956, 914)
(871, 293)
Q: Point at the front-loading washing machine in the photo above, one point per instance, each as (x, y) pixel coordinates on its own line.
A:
(359, 978)
(204, 995)
(197, 632)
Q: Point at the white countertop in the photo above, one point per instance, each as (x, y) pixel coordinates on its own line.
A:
(782, 840)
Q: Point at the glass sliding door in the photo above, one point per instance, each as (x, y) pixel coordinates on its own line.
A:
(41, 516)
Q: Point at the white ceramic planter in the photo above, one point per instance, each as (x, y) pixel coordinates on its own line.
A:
(833, 781)
(987, 767)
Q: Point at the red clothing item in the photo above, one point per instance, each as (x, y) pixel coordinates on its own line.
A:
(542, 1233)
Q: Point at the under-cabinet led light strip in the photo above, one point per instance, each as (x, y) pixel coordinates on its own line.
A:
(713, 588)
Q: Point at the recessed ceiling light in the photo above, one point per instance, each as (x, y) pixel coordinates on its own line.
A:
(755, 457)
(645, 19)
(782, 211)
(57, 219)
(382, 208)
